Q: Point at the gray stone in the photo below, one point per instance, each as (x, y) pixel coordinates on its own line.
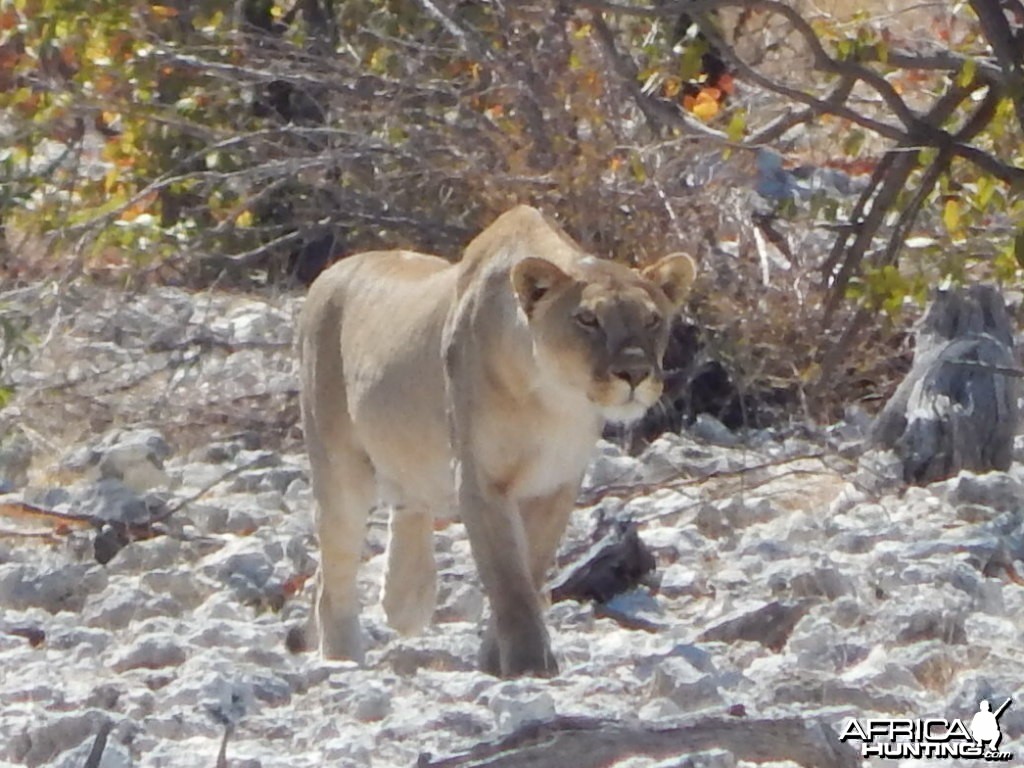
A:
(608, 469)
(111, 499)
(15, 460)
(272, 479)
(371, 704)
(827, 582)
(709, 429)
(115, 755)
(743, 511)
(698, 658)
(712, 522)
(116, 609)
(770, 625)
(64, 588)
(150, 652)
(269, 689)
(996, 490)
(47, 498)
(460, 601)
(94, 640)
(181, 585)
(40, 744)
(244, 559)
(134, 457)
(933, 624)
(156, 553)
(257, 459)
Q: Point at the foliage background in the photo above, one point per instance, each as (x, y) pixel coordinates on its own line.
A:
(827, 162)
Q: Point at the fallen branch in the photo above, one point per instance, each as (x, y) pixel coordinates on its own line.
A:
(628, 491)
(590, 743)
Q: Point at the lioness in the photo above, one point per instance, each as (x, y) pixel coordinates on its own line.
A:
(478, 387)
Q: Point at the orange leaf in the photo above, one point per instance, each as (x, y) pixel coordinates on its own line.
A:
(705, 105)
(705, 110)
(8, 19)
(163, 11)
(140, 207)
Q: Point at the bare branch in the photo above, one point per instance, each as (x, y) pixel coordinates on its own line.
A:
(915, 131)
(1005, 45)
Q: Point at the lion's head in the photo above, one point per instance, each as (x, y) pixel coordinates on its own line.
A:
(603, 330)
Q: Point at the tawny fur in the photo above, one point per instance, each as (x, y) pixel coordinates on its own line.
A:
(476, 389)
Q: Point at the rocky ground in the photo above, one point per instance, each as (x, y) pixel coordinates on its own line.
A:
(797, 578)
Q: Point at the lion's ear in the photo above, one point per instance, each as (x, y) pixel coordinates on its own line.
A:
(674, 274)
(532, 278)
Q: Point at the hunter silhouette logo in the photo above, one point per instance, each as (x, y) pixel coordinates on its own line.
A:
(931, 737)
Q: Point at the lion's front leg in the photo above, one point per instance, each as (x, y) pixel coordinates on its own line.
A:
(544, 521)
(516, 641)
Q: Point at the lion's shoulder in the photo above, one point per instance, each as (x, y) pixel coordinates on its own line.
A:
(518, 233)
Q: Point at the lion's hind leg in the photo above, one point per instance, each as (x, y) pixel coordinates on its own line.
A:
(410, 582)
(345, 489)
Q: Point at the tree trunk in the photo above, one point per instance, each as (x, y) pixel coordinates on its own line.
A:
(957, 408)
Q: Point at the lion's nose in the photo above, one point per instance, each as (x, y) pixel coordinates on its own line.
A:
(633, 374)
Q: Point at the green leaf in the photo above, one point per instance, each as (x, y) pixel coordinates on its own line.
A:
(951, 217)
(1018, 248)
(636, 165)
(737, 126)
(691, 61)
(967, 73)
(986, 188)
(853, 142)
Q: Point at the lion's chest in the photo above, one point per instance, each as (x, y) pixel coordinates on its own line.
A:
(557, 461)
(551, 449)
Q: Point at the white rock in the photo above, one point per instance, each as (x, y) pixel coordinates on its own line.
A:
(134, 457)
(678, 580)
(610, 470)
(518, 702)
(660, 708)
(677, 679)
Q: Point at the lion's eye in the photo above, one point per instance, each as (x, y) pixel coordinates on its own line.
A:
(587, 319)
(653, 321)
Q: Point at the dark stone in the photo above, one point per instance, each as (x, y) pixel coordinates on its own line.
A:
(618, 563)
(770, 625)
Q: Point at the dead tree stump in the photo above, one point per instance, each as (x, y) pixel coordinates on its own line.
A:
(957, 408)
